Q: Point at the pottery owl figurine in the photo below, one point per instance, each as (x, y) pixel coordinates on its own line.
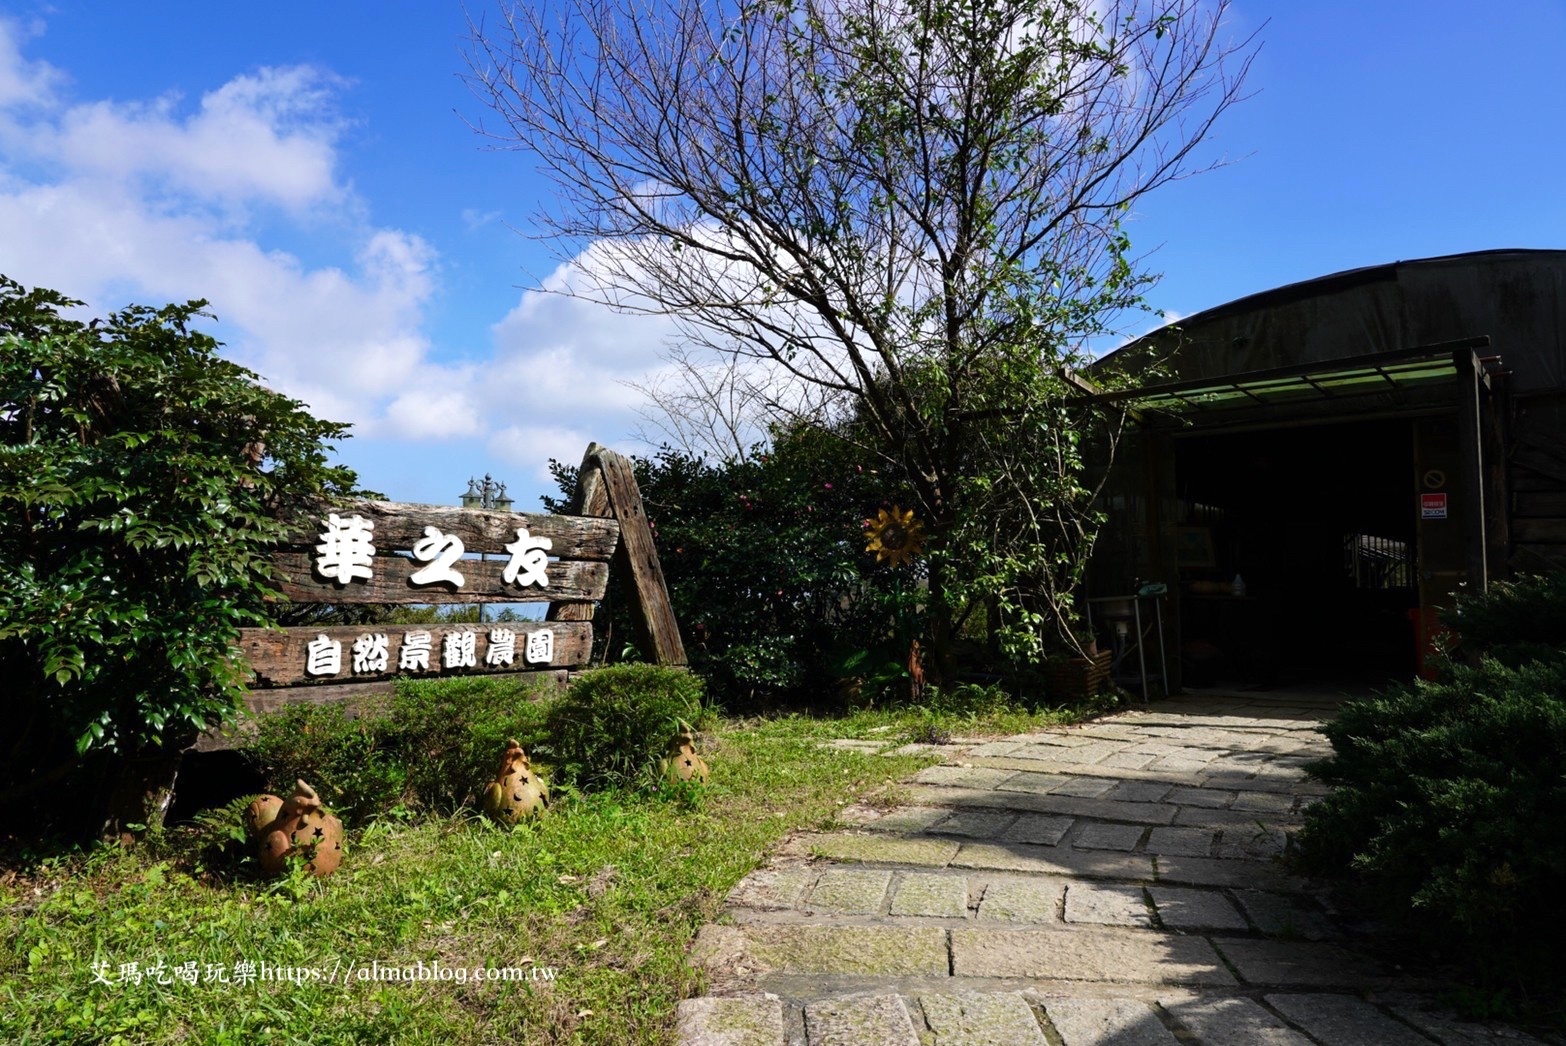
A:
(682, 763)
(517, 790)
(299, 825)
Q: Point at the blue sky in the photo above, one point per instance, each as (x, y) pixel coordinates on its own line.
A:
(309, 168)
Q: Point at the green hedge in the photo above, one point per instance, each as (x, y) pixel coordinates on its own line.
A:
(613, 725)
(1448, 816)
(434, 746)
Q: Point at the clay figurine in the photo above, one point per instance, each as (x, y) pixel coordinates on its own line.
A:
(296, 825)
(517, 791)
(682, 763)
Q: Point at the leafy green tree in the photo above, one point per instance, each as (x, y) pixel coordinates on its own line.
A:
(765, 561)
(142, 478)
(912, 208)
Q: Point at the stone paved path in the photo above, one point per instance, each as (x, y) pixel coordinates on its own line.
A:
(1115, 883)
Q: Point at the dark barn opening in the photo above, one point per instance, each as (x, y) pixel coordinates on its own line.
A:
(1358, 449)
(1317, 524)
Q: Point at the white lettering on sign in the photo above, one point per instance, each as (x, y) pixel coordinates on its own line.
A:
(502, 647)
(1432, 506)
(457, 649)
(345, 551)
(445, 550)
(529, 560)
(370, 652)
(323, 656)
(540, 647)
(415, 653)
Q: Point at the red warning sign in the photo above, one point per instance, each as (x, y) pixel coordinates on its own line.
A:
(1432, 506)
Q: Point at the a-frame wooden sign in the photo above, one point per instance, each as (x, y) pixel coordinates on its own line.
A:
(387, 552)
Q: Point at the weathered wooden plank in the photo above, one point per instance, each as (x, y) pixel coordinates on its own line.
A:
(569, 581)
(1520, 479)
(359, 698)
(591, 499)
(1537, 558)
(278, 656)
(1538, 464)
(399, 525)
(1551, 531)
(1539, 503)
(638, 554)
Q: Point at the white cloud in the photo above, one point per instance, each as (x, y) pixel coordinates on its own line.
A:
(267, 138)
(154, 201)
(164, 199)
(568, 365)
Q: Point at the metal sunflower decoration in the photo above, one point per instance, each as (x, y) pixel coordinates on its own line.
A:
(895, 537)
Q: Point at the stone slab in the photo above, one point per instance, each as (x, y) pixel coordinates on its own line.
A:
(909, 819)
(935, 853)
(858, 1019)
(1186, 909)
(1180, 842)
(1038, 829)
(1344, 1020)
(929, 894)
(1028, 781)
(1209, 871)
(1231, 1022)
(1280, 915)
(1107, 905)
(1107, 1022)
(1028, 802)
(1084, 787)
(1035, 900)
(1199, 817)
(1298, 962)
(1126, 760)
(1251, 844)
(1141, 791)
(1205, 797)
(976, 824)
(882, 951)
(1087, 955)
(748, 1020)
(1019, 857)
(1263, 802)
(849, 891)
(963, 776)
(1446, 1029)
(1109, 837)
(773, 889)
(997, 747)
(981, 1019)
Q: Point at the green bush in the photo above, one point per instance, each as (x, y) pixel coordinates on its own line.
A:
(1450, 797)
(434, 746)
(143, 479)
(767, 571)
(614, 724)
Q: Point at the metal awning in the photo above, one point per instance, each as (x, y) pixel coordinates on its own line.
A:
(1341, 379)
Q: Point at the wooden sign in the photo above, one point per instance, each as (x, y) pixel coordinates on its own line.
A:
(385, 552)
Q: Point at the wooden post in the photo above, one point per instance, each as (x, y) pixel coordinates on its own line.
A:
(606, 486)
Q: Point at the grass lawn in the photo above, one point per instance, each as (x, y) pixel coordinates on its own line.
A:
(605, 891)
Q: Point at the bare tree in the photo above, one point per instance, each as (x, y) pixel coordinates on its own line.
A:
(911, 206)
(721, 406)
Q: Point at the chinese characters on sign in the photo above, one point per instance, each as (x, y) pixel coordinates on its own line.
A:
(345, 551)
(459, 648)
(346, 554)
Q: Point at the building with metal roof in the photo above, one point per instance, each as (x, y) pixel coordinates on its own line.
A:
(1354, 449)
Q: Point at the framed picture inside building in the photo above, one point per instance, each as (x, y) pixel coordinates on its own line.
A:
(1194, 547)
